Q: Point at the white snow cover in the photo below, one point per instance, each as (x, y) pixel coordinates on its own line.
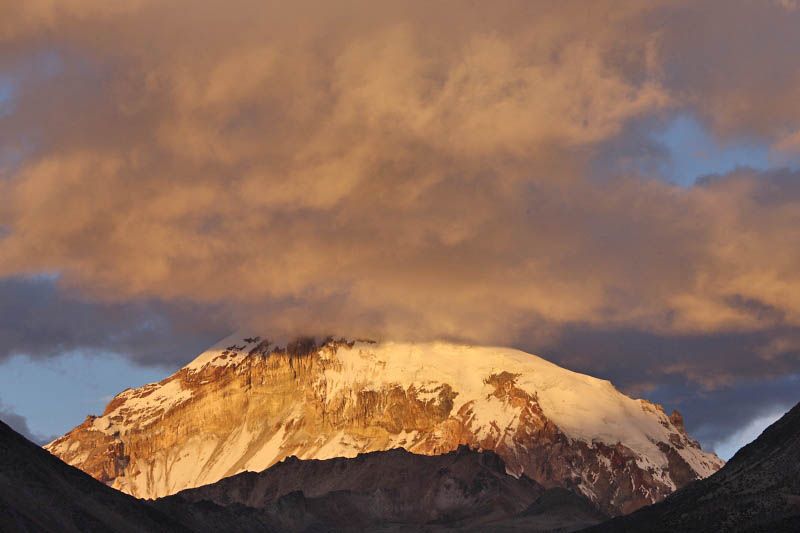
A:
(229, 351)
(142, 405)
(583, 407)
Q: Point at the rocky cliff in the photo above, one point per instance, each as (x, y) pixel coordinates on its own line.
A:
(246, 404)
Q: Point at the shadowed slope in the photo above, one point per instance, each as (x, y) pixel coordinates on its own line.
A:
(39, 492)
(398, 490)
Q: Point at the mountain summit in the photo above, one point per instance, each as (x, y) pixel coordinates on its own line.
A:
(246, 404)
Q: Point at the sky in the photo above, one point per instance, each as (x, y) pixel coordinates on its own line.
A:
(612, 186)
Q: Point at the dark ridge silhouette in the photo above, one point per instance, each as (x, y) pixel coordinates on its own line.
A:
(397, 489)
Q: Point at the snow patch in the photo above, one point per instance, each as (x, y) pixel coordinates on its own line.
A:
(269, 453)
(231, 350)
(491, 416)
(142, 405)
(339, 445)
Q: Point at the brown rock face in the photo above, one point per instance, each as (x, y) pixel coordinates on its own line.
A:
(246, 405)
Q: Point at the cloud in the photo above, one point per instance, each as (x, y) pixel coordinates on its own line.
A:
(39, 321)
(789, 143)
(724, 418)
(749, 433)
(641, 361)
(465, 171)
(19, 424)
(734, 64)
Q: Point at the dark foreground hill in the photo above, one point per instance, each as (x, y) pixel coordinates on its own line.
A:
(380, 491)
(757, 491)
(40, 492)
(396, 489)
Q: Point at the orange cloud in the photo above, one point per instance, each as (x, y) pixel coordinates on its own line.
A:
(406, 171)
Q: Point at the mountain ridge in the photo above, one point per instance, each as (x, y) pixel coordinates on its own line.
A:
(460, 489)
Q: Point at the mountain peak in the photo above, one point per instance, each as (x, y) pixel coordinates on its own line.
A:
(247, 403)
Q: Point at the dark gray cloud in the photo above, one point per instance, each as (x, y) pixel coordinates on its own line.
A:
(641, 360)
(20, 424)
(712, 416)
(719, 382)
(38, 320)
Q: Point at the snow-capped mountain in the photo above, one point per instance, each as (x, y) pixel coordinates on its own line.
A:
(246, 404)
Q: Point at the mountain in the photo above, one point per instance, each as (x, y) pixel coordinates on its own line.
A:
(757, 491)
(246, 404)
(381, 491)
(396, 489)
